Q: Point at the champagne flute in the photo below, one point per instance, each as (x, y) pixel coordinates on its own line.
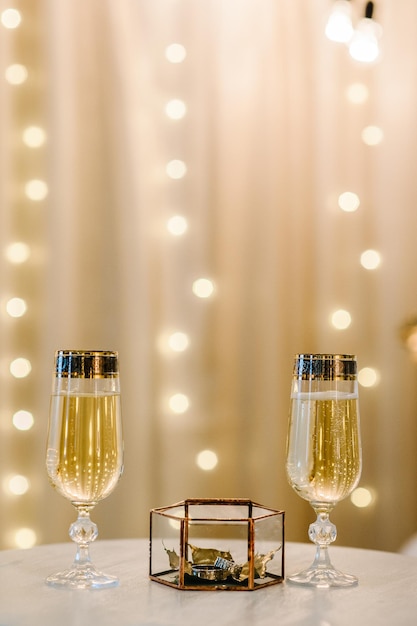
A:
(323, 451)
(84, 457)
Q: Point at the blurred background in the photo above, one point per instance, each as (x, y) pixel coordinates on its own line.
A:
(208, 187)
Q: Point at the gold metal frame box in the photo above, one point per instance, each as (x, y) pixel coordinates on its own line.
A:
(210, 544)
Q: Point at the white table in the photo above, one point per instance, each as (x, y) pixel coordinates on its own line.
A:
(386, 594)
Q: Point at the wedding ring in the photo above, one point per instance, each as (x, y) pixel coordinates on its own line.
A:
(223, 563)
(229, 566)
(210, 572)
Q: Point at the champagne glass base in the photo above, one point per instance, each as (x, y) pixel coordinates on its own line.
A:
(82, 578)
(323, 577)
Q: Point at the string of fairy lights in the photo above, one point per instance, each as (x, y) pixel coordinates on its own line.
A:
(18, 252)
(363, 44)
(202, 287)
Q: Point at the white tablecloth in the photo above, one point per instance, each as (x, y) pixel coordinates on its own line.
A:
(386, 594)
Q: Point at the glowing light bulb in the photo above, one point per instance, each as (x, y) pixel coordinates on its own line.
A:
(368, 377)
(177, 225)
(23, 420)
(36, 190)
(16, 74)
(34, 136)
(341, 319)
(176, 169)
(207, 460)
(17, 252)
(203, 288)
(364, 46)
(348, 201)
(16, 307)
(175, 53)
(11, 18)
(370, 259)
(176, 109)
(179, 403)
(339, 25)
(20, 367)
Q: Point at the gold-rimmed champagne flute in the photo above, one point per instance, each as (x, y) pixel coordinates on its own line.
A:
(84, 457)
(323, 451)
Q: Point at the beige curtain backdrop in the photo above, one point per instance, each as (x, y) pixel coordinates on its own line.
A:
(270, 140)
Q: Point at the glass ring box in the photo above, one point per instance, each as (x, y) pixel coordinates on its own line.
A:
(210, 544)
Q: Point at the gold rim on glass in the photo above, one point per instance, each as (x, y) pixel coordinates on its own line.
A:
(86, 364)
(325, 367)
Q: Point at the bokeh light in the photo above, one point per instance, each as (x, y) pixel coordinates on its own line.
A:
(16, 307)
(357, 93)
(23, 420)
(368, 377)
(20, 367)
(203, 288)
(207, 460)
(25, 538)
(177, 225)
(372, 135)
(10, 18)
(17, 252)
(341, 319)
(348, 201)
(362, 497)
(176, 109)
(34, 136)
(370, 259)
(178, 341)
(36, 190)
(179, 403)
(17, 485)
(175, 53)
(16, 74)
(176, 169)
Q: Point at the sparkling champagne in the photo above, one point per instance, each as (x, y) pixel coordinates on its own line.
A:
(85, 453)
(323, 448)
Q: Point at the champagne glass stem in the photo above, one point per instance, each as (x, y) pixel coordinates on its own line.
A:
(82, 574)
(83, 531)
(321, 572)
(322, 532)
